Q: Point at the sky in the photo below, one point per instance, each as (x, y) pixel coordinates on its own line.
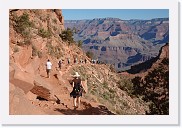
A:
(124, 14)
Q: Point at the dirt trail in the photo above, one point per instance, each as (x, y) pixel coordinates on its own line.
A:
(62, 88)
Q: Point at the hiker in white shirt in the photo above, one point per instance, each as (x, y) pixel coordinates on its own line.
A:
(48, 68)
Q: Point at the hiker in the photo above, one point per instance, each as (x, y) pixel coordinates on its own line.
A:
(75, 60)
(98, 62)
(85, 61)
(48, 68)
(68, 59)
(59, 64)
(77, 90)
(92, 61)
(81, 61)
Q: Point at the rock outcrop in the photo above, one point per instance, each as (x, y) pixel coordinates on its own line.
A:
(28, 54)
(145, 66)
(20, 105)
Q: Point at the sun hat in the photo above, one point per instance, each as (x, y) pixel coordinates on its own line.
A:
(76, 74)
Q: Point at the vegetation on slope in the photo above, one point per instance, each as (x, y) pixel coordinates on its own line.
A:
(107, 90)
(154, 88)
(67, 35)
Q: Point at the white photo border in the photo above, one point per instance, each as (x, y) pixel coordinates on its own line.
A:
(171, 119)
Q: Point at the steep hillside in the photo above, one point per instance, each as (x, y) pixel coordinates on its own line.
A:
(35, 38)
(143, 67)
(151, 82)
(122, 43)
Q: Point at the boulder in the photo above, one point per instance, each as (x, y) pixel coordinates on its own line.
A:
(41, 92)
(39, 81)
(22, 57)
(20, 105)
(33, 66)
(22, 80)
(31, 96)
(43, 89)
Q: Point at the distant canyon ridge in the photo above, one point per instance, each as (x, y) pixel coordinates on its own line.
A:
(122, 43)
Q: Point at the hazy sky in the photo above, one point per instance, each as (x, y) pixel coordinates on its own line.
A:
(124, 14)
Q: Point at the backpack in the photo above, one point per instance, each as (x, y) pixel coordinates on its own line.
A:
(78, 89)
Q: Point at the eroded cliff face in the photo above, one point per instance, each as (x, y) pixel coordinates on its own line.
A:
(123, 43)
(151, 63)
(34, 38)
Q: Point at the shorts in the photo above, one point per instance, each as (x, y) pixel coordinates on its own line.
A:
(74, 95)
(48, 70)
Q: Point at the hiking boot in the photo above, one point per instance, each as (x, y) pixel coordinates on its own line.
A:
(75, 107)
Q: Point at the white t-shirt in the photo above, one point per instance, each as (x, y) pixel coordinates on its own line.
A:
(48, 65)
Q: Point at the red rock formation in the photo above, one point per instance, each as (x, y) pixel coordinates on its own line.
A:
(144, 37)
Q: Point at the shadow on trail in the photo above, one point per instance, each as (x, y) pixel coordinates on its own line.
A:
(88, 110)
(43, 76)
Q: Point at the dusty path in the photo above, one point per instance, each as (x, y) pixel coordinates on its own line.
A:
(62, 88)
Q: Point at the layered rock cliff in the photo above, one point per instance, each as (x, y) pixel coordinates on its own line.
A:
(122, 43)
(145, 66)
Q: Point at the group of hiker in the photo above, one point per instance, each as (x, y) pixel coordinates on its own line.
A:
(75, 61)
(69, 61)
(95, 61)
(76, 82)
(60, 62)
(81, 61)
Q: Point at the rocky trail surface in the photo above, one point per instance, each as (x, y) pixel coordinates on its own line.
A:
(62, 88)
(59, 101)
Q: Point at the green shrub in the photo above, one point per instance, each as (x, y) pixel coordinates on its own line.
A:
(20, 43)
(80, 43)
(16, 49)
(154, 88)
(54, 50)
(54, 28)
(112, 90)
(89, 54)
(34, 51)
(106, 96)
(25, 42)
(54, 20)
(105, 85)
(39, 53)
(23, 25)
(50, 48)
(125, 103)
(67, 35)
(125, 85)
(44, 33)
